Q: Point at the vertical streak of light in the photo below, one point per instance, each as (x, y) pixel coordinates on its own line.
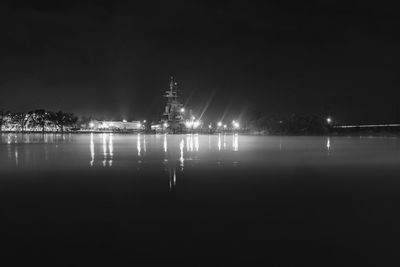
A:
(111, 149)
(9, 149)
(328, 144)
(104, 150)
(196, 142)
(187, 143)
(165, 147)
(209, 142)
(224, 141)
(16, 156)
(235, 142)
(165, 143)
(174, 177)
(144, 144)
(219, 142)
(138, 146)
(181, 159)
(191, 142)
(170, 179)
(91, 150)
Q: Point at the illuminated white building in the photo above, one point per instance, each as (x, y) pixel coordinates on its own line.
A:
(115, 125)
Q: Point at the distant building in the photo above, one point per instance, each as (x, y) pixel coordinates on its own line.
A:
(115, 125)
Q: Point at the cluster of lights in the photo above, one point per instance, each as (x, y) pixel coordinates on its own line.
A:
(193, 123)
(235, 125)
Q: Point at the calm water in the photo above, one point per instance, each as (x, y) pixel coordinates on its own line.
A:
(200, 200)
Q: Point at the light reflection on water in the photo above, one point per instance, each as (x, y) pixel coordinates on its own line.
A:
(138, 146)
(177, 153)
(91, 149)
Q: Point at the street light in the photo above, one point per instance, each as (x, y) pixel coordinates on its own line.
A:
(329, 120)
(182, 110)
(219, 124)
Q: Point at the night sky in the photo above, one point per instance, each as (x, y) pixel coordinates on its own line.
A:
(114, 59)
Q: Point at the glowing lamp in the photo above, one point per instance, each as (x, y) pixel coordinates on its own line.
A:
(188, 124)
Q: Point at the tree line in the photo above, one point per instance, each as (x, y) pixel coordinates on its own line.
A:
(40, 119)
(289, 124)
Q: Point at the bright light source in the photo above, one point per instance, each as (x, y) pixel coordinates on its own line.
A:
(123, 120)
(196, 124)
(139, 125)
(91, 125)
(209, 126)
(189, 124)
(182, 110)
(328, 120)
(144, 121)
(236, 125)
(219, 124)
(193, 118)
(225, 126)
(165, 125)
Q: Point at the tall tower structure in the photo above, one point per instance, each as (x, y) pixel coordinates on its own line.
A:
(173, 113)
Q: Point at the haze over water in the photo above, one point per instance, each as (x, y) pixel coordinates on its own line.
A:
(200, 198)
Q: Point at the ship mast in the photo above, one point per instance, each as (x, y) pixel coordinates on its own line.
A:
(172, 115)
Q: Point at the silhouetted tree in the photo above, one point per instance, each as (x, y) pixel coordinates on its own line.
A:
(62, 119)
(40, 118)
(21, 119)
(290, 124)
(4, 114)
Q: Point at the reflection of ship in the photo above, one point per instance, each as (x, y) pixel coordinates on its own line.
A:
(172, 119)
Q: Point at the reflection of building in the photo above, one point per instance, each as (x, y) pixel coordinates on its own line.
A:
(115, 125)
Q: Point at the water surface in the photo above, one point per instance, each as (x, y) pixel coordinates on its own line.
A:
(200, 199)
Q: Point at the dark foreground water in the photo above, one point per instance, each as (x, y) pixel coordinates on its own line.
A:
(198, 200)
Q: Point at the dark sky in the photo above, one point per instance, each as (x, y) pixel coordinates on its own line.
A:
(114, 59)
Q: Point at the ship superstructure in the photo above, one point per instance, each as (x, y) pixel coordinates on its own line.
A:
(173, 116)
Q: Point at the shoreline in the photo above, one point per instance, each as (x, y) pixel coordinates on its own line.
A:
(248, 133)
